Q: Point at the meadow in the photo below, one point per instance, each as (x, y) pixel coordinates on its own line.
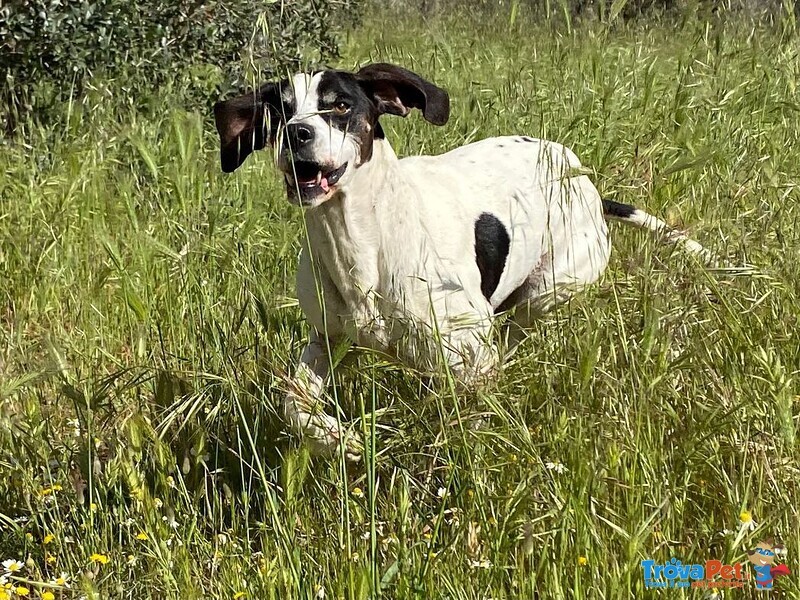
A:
(148, 323)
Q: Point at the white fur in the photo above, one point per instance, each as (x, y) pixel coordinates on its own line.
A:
(390, 259)
(390, 262)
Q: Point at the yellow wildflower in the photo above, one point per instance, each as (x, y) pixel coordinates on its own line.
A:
(357, 492)
(48, 538)
(48, 596)
(3, 594)
(21, 591)
(583, 561)
(99, 558)
(50, 560)
(93, 507)
(141, 536)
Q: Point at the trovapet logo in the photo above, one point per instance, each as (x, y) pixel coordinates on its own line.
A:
(716, 574)
(711, 574)
(763, 557)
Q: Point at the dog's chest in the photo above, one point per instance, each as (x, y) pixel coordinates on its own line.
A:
(346, 245)
(376, 269)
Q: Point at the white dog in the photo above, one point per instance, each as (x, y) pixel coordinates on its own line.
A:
(414, 257)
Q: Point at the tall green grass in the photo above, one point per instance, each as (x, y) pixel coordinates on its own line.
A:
(148, 325)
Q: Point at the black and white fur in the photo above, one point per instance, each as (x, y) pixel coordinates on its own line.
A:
(414, 257)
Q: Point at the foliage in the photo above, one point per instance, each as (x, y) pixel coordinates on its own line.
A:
(148, 321)
(61, 43)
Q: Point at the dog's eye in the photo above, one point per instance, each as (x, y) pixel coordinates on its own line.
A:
(341, 108)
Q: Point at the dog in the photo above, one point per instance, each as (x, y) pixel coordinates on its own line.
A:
(415, 257)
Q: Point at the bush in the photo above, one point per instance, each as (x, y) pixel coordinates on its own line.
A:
(62, 42)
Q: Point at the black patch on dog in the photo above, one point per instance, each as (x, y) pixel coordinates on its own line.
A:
(618, 210)
(249, 122)
(361, 119)
(525, 138)
(491, 250)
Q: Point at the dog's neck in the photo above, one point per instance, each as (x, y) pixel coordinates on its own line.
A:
(368, 225)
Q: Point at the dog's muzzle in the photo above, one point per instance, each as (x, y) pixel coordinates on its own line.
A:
(308, 180)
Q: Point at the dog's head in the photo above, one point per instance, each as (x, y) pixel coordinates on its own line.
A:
(322, 125)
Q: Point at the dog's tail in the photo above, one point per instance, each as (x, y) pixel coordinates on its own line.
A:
(634, 216)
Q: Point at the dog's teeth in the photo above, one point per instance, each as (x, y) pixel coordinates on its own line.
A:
(319, 177)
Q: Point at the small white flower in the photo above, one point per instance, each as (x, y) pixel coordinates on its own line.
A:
(3, 580)
(746, 521)
(12, 566)
(320, 592)
(452, 516)
(725, 533)
(171, 521)
(61, 581)
(480, 564)
(441, 492)
(75, 424)
(556, 466)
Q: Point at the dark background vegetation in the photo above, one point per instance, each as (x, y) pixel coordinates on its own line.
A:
(50, 49)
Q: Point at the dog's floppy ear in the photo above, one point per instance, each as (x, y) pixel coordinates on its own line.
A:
(396, 91)
(247, 123)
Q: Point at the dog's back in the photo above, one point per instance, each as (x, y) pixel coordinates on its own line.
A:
(514, 199)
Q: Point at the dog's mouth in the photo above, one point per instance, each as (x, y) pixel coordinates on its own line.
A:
(311, 179)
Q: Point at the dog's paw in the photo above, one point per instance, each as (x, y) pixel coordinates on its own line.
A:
(319, 430)
(329, 443)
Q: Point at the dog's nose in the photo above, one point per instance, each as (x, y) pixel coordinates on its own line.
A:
(299, 135)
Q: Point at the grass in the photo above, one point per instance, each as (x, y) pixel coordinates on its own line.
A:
(148, 324)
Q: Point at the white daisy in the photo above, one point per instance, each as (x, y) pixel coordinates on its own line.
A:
(12, 566)
(556, 466)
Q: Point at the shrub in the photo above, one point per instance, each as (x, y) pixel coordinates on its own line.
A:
(62, 42)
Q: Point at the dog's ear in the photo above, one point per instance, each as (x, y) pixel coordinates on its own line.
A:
(247, 123)
(396, 91)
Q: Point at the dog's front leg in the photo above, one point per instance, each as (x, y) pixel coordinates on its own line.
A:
(304, 404)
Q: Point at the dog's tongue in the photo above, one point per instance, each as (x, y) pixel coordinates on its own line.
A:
(324, 184)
